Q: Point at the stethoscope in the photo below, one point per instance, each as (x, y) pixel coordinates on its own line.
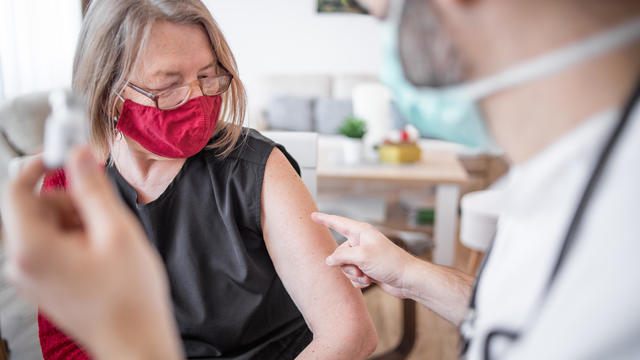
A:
(467, 326)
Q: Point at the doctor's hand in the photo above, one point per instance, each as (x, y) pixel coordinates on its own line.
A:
(85, 261)
(368, 256)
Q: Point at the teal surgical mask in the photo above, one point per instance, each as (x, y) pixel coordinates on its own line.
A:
(451, 111)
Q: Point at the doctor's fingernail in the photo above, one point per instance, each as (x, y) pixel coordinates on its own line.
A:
(329, 260)
(349, 270)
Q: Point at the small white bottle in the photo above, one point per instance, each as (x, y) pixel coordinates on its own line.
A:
(66, 126)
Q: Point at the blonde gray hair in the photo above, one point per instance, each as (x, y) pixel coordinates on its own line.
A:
(113, 37)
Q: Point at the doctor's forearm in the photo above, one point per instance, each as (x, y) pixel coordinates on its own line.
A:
(442, 289)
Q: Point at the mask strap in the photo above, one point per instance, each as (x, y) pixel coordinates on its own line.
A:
(115, 118)
(554, 62)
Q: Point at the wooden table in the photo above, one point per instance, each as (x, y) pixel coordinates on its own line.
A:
(442, 170)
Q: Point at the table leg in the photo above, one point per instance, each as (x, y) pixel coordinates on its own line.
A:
(446, 222)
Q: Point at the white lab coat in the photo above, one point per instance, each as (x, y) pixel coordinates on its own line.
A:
(593, 310)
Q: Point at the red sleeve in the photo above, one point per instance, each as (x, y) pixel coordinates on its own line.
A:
(54, 180)
(53, 342)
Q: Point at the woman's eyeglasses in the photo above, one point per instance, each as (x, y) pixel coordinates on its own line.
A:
(172, 98)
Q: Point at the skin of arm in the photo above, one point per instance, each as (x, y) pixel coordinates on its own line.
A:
(368, 256)
(444, 290)
(334, 310)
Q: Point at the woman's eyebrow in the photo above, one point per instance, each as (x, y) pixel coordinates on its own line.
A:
(166, 74)
(161, 77)
(210, 65)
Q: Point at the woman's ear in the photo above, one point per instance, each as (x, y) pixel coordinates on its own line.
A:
(120, 97)
(119, 105)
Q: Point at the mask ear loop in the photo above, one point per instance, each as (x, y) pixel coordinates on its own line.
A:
(554, 62)
(117, 94)
(117, 133)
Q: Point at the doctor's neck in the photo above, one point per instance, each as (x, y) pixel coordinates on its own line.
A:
(527, 118)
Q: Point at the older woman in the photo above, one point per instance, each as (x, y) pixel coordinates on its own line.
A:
(222, 205)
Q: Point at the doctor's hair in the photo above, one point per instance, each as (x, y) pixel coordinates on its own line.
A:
(114, 36)
(425, 48)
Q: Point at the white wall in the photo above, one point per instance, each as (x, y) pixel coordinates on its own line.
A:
(267, 37)
(288, 36)
(37, 44)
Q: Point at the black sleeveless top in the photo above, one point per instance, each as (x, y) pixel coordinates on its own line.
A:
(228, 300)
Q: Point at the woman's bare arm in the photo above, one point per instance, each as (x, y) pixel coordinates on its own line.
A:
(333, 309)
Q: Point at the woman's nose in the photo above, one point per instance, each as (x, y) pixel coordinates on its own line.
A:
(195, 90)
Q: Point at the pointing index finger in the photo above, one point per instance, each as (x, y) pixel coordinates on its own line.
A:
(351, 229)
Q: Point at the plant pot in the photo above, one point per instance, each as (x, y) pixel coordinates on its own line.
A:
(352, 151)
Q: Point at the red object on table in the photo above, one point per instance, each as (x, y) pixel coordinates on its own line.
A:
(404, 136)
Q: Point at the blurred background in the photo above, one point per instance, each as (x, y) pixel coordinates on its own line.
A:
(309, 66)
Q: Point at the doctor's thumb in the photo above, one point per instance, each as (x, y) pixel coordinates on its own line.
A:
(345, 256)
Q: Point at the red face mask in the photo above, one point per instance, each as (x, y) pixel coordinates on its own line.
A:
(177, 133)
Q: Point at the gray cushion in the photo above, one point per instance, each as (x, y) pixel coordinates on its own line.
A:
(330, 114)
(21, 128)
(18, 321)
(290, 113)
(22, 121)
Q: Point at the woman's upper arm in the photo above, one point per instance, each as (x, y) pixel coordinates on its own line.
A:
(298, 248)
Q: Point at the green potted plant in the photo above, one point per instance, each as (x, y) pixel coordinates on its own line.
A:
(354, 129)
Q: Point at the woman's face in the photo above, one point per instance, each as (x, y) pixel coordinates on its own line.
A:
(175, 55)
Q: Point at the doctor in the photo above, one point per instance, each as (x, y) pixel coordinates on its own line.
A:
(556, 85)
